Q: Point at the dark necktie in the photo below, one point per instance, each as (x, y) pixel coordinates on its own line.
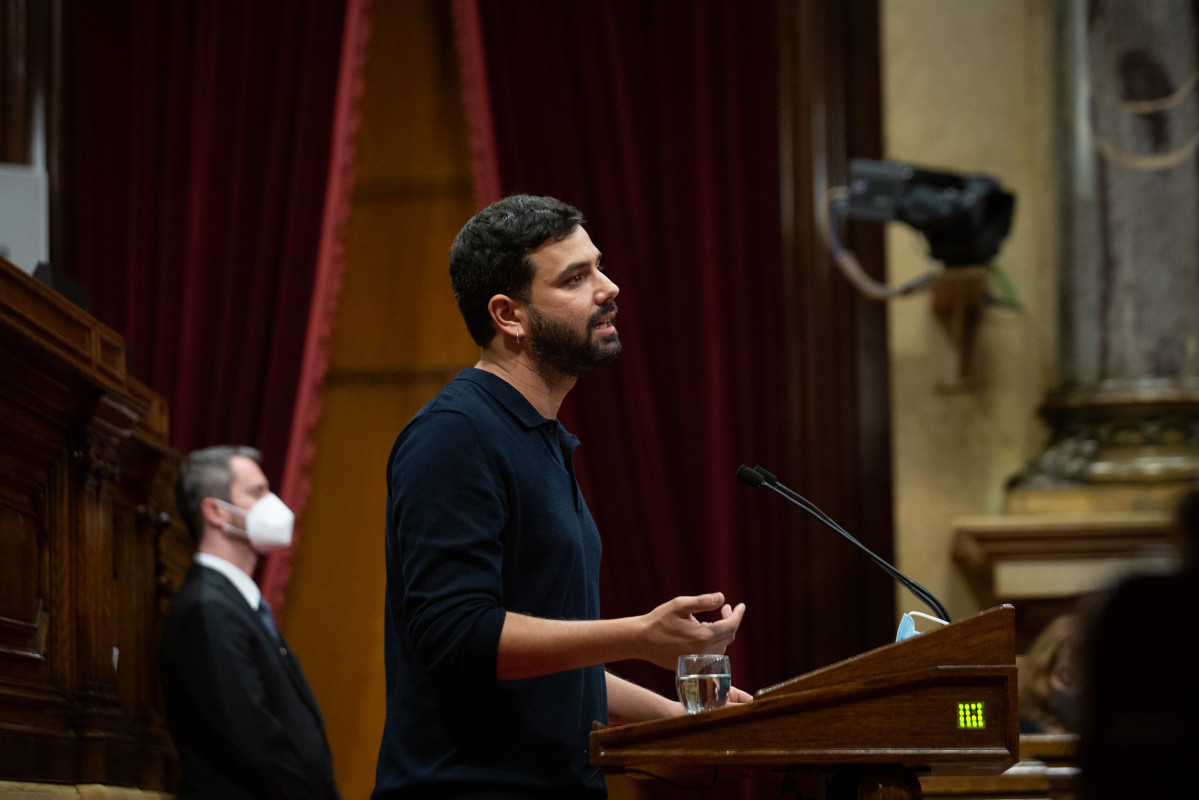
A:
(268, 619)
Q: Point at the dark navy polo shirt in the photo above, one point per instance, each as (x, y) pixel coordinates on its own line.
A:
(484, 516)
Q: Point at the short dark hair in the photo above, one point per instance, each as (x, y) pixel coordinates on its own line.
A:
(207, 473)
(490, 254)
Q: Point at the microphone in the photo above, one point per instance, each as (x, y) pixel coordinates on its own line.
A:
(759, 477)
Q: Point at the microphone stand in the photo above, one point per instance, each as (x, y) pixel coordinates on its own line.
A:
(759, 477)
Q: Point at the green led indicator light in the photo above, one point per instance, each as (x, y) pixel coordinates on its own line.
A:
(971, 715)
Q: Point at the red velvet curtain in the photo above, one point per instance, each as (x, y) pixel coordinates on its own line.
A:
(204, 137)
(659, 121)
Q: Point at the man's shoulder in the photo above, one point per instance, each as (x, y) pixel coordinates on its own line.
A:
(204, 591)
(460, 407)
(463, 425)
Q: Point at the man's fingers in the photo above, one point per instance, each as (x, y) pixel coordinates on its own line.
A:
(732, 615)
(737, 696)
(702, 602)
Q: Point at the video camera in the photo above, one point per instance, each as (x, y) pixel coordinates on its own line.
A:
(964, 217)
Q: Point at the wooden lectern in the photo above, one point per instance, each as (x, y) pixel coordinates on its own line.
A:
(941, 703)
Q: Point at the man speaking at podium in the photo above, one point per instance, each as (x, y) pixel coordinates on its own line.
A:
(494, 648)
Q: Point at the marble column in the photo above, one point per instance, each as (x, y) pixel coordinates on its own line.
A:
(1126, 415)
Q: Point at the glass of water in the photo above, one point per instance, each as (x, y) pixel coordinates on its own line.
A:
(703, 682)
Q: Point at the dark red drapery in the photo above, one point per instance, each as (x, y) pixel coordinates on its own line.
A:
(659, 121)
(200, 159)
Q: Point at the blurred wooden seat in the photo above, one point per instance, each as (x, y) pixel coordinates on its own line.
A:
(1047, 770)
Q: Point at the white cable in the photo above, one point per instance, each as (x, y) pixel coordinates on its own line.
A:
(848, 262)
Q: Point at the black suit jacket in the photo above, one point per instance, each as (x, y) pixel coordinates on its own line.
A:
(239, 709)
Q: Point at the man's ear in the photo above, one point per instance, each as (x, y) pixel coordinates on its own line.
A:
(508, 316)
(212, 512)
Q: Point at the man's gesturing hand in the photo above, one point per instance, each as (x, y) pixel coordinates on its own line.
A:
(672, 629)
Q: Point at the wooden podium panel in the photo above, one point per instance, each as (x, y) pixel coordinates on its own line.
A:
(943, 702)
(86, 477)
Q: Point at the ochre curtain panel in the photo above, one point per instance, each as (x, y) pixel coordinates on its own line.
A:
(205, 137)
(659, 121)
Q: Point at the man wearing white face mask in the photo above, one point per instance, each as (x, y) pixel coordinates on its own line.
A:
(239, 709)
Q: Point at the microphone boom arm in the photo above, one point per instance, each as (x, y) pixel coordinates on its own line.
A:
(759, 478)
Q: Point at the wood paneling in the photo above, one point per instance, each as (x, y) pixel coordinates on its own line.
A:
(398, 309)
(84, 486)
(398, 340)
(837, 392)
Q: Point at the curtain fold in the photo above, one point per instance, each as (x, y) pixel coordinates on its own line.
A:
(468, 35)
(301, 447)
(659, 121)
(199, 213)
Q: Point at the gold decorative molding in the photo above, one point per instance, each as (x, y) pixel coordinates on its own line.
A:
(1142, 431)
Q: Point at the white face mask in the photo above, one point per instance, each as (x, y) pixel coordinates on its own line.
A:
(268, 523)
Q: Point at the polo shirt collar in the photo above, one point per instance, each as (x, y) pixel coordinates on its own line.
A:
(519, 407)
(506, 395)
